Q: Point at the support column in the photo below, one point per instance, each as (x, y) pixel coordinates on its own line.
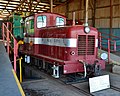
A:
(93, 13)
(111, 17)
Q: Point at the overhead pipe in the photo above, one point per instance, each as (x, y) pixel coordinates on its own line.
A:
(86, 13)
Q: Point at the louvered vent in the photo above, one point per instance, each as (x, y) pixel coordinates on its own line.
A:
(83, 47)
(91, 45)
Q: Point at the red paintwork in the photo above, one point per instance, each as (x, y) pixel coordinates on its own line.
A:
(77, 22)
(61, 55)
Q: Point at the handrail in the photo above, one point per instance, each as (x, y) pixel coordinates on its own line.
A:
(6, 31)
(111, 35)
(108, 42)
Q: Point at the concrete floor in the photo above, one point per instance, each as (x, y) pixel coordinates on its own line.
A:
(48, 86)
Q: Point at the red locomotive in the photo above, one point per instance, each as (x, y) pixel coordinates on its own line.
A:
(51, 45)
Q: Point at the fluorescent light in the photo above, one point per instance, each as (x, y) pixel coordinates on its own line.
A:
(2, 7)
(34, 2)
(14, 2)
(32, 7)
(43, 3)
(4, 1)
(26, 6)
(37, 8)
(20, 8)
(47, 7)
(12, 5)
(43, 9)
(40, 6)
(28, 0)
(24, 9)
(10, 8)
(2, 4)
(40, 11)
(1, 18)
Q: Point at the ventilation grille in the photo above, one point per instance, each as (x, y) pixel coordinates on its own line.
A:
(86, 44)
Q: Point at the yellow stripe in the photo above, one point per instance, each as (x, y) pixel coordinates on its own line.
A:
(18, 83)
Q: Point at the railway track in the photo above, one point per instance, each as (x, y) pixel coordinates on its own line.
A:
(115, 88)
(83, 91)
(81, 88)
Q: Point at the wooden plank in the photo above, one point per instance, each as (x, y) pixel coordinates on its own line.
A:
(116, 11)
(115, 22)
(115, 2)
(101, 3)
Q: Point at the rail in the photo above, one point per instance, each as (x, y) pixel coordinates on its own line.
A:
(6, 36)
(108, 44)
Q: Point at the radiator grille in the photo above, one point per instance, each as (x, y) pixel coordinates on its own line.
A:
(83, 47)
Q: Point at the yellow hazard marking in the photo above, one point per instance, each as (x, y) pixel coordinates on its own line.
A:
(18, 83)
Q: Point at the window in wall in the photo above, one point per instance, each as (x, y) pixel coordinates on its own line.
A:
(60, 21)
(41, 21)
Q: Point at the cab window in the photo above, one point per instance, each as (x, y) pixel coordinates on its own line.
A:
(29, 25)
(59, 21)
(41, 21)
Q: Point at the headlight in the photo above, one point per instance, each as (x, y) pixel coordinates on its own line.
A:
(104, 56)
(87, 29)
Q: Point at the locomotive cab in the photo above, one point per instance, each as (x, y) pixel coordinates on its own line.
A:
(37, 21)
(33, 25)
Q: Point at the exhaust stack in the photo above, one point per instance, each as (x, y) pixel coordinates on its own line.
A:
(86, 13)
(51, 6)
